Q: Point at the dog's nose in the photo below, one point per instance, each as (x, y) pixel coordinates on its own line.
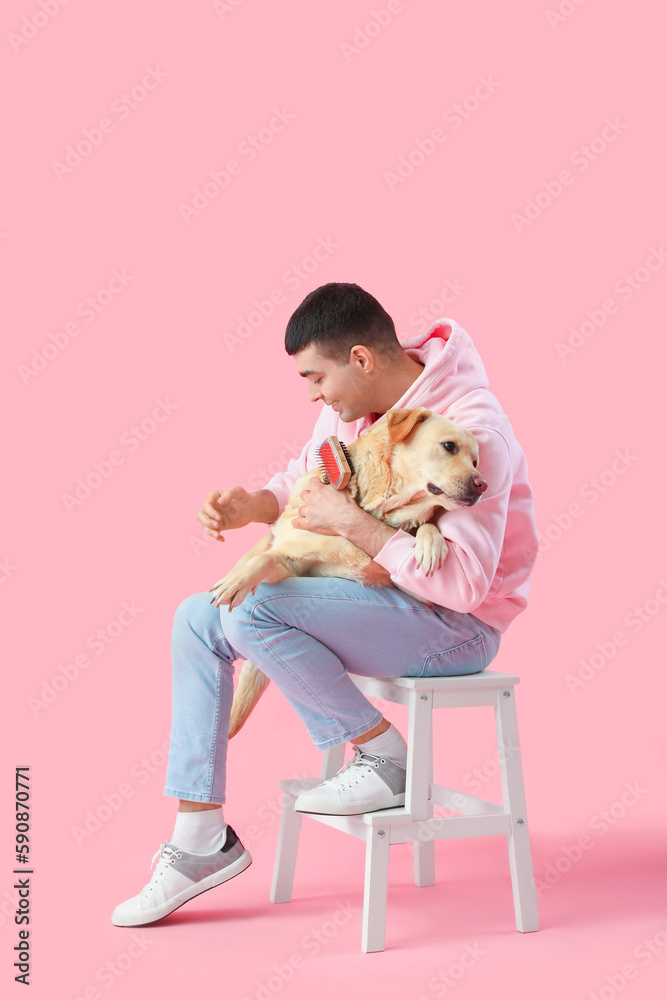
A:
(479, 484)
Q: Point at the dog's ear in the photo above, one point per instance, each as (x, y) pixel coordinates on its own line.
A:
(401, 422)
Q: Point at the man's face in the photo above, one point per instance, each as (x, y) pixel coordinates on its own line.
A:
(346, 388)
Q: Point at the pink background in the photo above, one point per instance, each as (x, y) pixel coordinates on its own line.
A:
(237, 415)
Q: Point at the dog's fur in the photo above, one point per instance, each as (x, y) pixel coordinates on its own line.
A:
(394, 462)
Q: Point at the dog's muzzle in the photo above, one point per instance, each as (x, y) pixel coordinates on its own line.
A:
(477, 487)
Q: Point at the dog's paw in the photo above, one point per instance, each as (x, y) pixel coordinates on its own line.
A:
(231, 589)
(430, 548)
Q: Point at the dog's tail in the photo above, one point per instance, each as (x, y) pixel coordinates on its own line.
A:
(251, 685)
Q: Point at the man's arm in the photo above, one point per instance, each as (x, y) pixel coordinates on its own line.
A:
(366, 532)
(265, 507)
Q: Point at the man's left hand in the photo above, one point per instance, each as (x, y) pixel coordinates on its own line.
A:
(324, 509)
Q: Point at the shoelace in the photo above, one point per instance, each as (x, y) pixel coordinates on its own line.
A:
(167, 857)
(362, 762)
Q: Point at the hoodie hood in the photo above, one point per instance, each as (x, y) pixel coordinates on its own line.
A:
(452, 369)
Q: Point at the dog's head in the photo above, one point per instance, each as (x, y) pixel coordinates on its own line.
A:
(434, 455)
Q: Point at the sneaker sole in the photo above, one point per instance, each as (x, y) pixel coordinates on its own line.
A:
(354, 808)
(185, 895)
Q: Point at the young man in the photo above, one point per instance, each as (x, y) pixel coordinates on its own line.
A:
(307, 633)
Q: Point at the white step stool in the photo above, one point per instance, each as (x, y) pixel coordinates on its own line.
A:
(414, 823)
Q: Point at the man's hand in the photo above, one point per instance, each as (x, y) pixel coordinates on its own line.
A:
(325, 510)
(224, 510)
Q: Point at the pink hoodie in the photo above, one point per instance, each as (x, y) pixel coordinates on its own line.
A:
(492, 546)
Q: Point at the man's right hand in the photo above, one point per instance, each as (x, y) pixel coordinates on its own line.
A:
(226, 509)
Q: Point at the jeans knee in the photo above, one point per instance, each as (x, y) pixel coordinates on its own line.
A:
(239, 620)
(187, 609)
(196, 614)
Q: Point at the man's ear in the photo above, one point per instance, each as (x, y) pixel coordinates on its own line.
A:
(401, 422)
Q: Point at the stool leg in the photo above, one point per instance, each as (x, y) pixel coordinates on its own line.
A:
(514, 799)
(419, 753)
(288, 842)
(374, 914)
(424, 850)
(290, 828)
(332, 761)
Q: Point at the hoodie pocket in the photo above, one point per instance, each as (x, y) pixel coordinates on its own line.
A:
(469, 657)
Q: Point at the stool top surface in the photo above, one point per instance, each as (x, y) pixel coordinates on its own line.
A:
(482, 679)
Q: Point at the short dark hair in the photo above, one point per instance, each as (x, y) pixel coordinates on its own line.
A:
(337, 316)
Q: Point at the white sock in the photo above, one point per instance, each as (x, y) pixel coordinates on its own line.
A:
(388, 744)
(200, 832)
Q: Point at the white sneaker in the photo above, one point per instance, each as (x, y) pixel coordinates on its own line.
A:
(178, 877)
(364, 784)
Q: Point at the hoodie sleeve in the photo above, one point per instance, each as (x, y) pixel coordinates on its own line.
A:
(474, 535)
(282, 483)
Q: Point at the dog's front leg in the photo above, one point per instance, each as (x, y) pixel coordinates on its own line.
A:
(258, 549)
(246, 577)
(430, 548)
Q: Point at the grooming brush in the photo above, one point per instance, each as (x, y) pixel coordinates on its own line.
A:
(335, 460)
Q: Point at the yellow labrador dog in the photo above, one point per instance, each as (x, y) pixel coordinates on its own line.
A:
(405, 471)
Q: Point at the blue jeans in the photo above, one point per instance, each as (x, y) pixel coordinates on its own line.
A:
(305, 634)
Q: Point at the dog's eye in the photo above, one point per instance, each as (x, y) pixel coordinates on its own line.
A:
(449, 446)
(474, 464)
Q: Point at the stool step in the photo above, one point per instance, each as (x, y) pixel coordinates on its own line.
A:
(483, 818)
(461, 802)
(448, 798)
(403, 828)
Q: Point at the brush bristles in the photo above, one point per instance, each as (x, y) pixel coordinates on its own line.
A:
(334, 462)
(322, 466)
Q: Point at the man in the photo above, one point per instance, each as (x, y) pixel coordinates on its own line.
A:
(306, 633)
